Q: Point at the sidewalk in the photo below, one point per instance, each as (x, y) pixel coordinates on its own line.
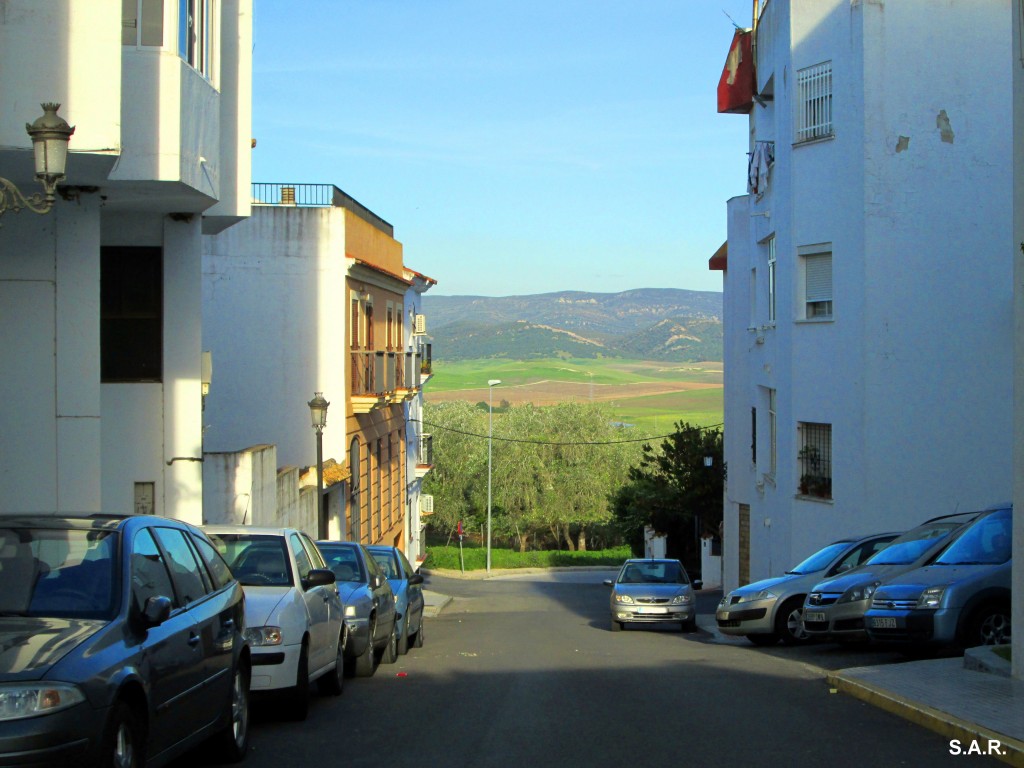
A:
(434, 603)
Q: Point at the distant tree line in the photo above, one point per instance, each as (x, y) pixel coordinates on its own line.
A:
(567, 476)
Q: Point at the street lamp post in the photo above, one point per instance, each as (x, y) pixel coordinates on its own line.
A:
(318, 415)
(490, 439)
(50, 135)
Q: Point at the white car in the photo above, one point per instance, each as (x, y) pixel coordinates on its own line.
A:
(293, 612)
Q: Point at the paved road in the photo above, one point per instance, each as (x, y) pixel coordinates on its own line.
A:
(524, 672)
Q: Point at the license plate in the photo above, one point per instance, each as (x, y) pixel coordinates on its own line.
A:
(814, 616)
(652, 610)
(883, 622)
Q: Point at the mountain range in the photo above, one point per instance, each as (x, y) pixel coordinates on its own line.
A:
(645, 324)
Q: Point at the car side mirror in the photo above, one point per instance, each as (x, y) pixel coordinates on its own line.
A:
(319, 577)
(156, 611)
(697, 584)
(607, 582)
(416, 578)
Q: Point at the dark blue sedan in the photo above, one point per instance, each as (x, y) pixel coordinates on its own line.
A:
(120, 643)
(406, 584)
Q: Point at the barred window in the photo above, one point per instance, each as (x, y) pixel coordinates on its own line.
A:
(814, 102)
(815, 457)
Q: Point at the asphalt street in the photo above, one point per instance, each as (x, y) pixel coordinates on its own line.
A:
(525, 671)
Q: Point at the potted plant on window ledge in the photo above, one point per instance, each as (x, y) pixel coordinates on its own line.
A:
(812, 481)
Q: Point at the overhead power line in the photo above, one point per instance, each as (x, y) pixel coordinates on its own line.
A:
(562, 443)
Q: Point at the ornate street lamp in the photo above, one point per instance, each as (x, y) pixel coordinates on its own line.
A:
(318, 415)
(491, 384)
(50, 136)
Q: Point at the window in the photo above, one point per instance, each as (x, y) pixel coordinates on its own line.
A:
(302, 562)
(390, 333)
(219, 571)
(186, 573)
(131, 314)
(817, 276)
(771, 280)
(149, 571)
(369, 326)
(354, 325)
(815, 458)
(194, 34)
(356, 508)
(399, 330)
(753, 300)
(772, 433)
(142, 23)
(814, 102)
(753, 436)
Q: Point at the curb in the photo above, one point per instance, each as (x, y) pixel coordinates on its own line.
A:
(481, 575)
(1012, 750)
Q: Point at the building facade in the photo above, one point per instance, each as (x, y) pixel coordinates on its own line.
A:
(311, 295)
(868, 286)
(101, 397)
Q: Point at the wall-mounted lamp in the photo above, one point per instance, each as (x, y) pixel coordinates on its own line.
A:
(50, 136)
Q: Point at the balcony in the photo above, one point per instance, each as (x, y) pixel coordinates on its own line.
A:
(425, 458)
(374, 379)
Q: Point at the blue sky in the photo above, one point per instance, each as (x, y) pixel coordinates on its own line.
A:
(517, 147)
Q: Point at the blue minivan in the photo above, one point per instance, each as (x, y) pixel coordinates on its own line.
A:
(962, 598)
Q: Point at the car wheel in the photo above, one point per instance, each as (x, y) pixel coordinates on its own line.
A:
(403, 639)
(365, 664)
(690, 625)
(333, 683)
(123, 741)
(616, 626)
(417, 639)
(298, 696)
(990, 626)
(390, 653)
(763, 640)
(233, 741)
(789, 625)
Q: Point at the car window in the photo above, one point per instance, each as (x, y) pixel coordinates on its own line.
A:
(301, 558)
(386, 562)
(819, 560)
(911, 545)
(986, 542)
(219, 571)
(344, 561)
(315, 558)
(255, 559)
(409, 570)
(373, 566)
(652, 573)
(59, 572)
(860, 554)
(150, 577)
(186, 573)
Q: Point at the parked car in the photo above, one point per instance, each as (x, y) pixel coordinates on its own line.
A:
(835, 608)
(653, 591)
(121, 643)
(406, 584)
(371, 635)
(961, 598)
(769, 610)
(293, 609)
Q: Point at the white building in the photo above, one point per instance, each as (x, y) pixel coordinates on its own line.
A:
(1018, 380)
(868, 283)
(100, 397)
(311, 295)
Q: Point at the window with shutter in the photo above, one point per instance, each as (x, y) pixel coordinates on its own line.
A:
(817, 279)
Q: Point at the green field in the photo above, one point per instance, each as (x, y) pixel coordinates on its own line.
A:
(651, 395)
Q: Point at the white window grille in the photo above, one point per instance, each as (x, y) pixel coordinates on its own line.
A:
(771, 280)
(814, 102)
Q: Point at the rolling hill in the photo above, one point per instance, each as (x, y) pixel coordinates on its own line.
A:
(649, 324)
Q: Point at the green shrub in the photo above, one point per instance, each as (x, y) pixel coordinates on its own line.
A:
(476, 558)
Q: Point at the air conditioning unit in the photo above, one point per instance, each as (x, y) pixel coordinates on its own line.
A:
(420, 325)
(426, 504)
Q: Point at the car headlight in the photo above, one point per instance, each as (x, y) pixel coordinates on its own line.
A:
(764, 594)
(624, 599)
(264, 635)
(931, 597)
(856, 594)
(682, 599)
(33, 699)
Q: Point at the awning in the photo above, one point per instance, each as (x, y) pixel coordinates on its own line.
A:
(721, 258)
(736, 87)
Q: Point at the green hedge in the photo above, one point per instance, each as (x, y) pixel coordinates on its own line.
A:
(476, 558)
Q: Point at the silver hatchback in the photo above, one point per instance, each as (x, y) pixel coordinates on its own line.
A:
(649, 591)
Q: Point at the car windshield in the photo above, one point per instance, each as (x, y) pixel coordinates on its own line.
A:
(820, 560)
(59, 573)
(652, 573)
(344, 562)
(256, 560)
(986, 542)
(386, 561)
(912, 544)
